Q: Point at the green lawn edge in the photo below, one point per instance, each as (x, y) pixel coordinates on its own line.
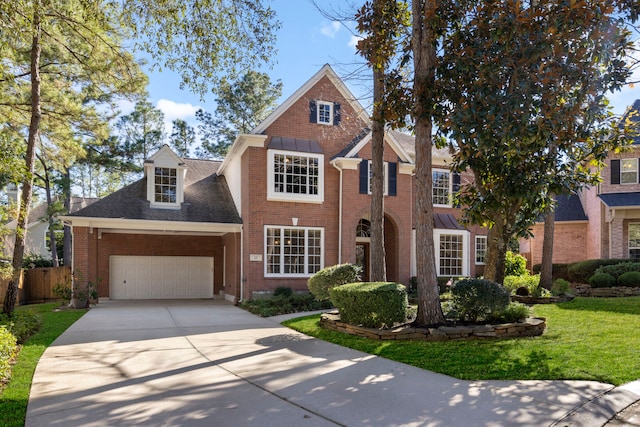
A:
(15, 397)
(586, 339)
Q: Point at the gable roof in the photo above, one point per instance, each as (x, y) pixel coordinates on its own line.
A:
(325, 71)
(206, 199)
(569, 208)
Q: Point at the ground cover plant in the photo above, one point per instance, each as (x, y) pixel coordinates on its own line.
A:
(14, 397)
(284, 301)
(586, 339)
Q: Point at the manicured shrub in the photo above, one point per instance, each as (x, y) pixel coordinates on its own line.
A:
(282, 292)
(476, 299)
(515, 264)
(630, 279)
(602, 280)
(617, 270)
(580, 272)
(8, 350)
(531, 283)
(560, 287)
(329, 277)
(514, 312)
(371, 304)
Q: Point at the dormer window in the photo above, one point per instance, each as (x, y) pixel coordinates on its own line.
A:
(166, 182)
(165, 173)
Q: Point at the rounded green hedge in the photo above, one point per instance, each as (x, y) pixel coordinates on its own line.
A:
(371, 304)
(476, 299)
(602, 280)
(630, 279)
(329, 277)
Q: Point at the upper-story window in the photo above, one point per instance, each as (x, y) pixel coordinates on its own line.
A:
(385, 174)
(624, 171)
(629, 171)
(297, 177)
(166, 182)
(441, 187)
(481, 249)
(324, 112)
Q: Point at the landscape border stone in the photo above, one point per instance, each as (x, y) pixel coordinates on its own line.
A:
(585, 290)
(530, 327)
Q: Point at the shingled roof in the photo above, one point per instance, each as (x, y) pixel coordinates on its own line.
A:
(206, 199)
(633, 115)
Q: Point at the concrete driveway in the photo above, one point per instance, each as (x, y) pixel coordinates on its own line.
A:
(208, 363)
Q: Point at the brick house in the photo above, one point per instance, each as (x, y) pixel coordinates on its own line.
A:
(290, 198)
(602, 221)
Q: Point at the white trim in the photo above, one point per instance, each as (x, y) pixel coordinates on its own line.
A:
(628, 239)
(475, 249)
(148, 225)
(635, 181)
(344, 163)
(325, 71)
(391, 142)
(385, 178)
(331, 112)
(465, 248)
(272, 195)
(240, 145)
(282, 255)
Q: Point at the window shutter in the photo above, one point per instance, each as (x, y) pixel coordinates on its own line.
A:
(615, 171)
(313, 111)
(455, 187)
(393, 181)
(336, 114)
(364, 177)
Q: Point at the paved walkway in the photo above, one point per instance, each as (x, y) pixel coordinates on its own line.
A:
(204, 363)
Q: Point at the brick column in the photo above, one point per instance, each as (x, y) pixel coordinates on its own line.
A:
(619, 248)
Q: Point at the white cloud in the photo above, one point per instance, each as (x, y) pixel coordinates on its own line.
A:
(330, 29)
(353, 41)
(173, 110)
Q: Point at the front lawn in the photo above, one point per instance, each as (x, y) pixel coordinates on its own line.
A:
(586, 339)
(14, 398)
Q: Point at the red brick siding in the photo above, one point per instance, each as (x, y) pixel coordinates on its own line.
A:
(569, 242)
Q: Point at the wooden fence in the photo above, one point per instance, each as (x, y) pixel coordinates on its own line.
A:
(36, 284)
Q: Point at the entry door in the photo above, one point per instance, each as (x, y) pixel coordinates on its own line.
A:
(160, 277)
(362, 259)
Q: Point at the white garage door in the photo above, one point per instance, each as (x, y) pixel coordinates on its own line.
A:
(160, 277)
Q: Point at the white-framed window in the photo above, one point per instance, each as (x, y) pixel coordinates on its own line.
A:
(634, 241)
(165, 185)
(385, 174)
(293, 251)
(481, 249)
(441, 187)
(629, 171)
(452, 252)
(295, 176)
(325, 112)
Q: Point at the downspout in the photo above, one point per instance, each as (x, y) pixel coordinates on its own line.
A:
(241, 263)
(339, 216)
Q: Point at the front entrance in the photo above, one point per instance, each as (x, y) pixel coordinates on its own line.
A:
(362, 259)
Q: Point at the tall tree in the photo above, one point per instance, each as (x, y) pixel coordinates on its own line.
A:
(241, 105)
(200, 39)
(523, 79)
(182, 137)
(383, 22)
(140, 132)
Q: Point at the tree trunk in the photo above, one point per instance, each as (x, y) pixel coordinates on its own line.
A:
(378, 267)
(66, 250)
(52, 234)
(423, 46)
(546, 271)
(27, 185)
(497, 242)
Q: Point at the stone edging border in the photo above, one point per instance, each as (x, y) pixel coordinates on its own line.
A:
(530, 327)
(585, 290)
(540, 300)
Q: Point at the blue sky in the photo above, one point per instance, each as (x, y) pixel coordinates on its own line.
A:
(306, 41)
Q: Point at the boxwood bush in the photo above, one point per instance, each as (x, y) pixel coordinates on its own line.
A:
(617, 270)
(580, 272)
(371, 304)
(515, 264)
(630, 279)
(602, 280)
(329, 277)
(531, 283)
(476, 299)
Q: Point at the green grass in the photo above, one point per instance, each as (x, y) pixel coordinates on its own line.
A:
(14, 398)
(586, 339)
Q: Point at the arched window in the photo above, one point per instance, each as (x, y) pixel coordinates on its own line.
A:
(364, 228)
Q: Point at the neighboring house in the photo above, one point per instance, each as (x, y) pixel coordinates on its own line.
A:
(290, 198)
(602, 221)
(37, 237)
